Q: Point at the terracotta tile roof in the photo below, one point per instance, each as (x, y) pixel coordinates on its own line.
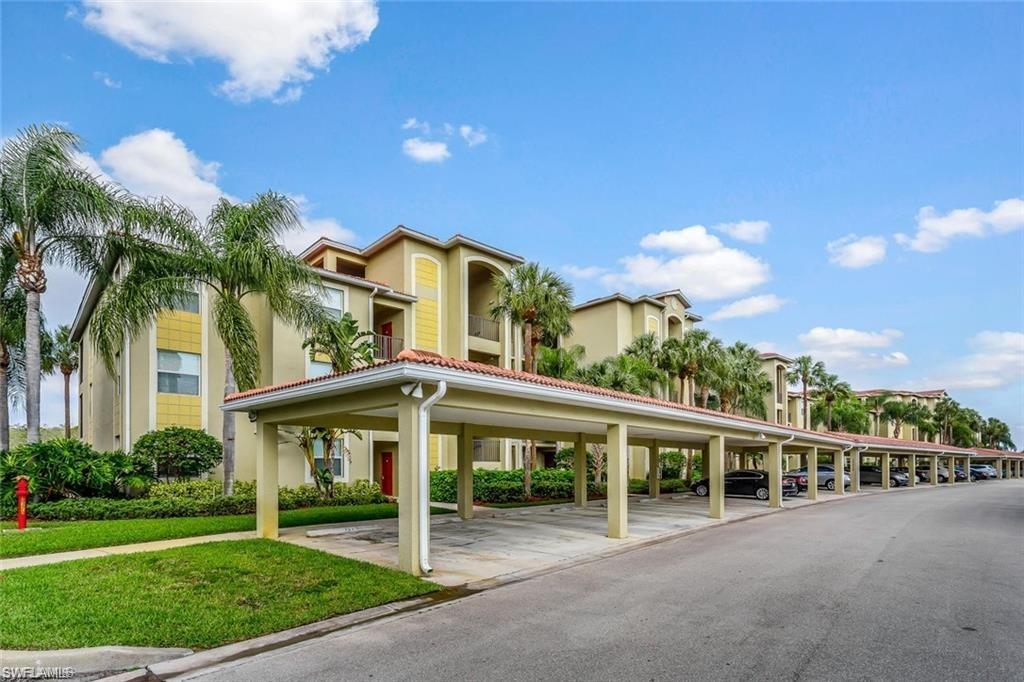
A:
(880, 440)
(935, 393)
(422, 357)
(989, 452)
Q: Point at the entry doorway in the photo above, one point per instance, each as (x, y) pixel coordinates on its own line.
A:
(387, 473)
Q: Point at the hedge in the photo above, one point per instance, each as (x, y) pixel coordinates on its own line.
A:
(197, 498)
(494, 486)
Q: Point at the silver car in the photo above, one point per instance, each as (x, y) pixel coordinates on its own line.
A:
(826, 477)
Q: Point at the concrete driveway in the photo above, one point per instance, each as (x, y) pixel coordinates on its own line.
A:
(902, 586)
(505, 543)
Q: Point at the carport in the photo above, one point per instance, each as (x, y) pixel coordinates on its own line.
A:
(902, 453)
(1007, 464)
(421, 393)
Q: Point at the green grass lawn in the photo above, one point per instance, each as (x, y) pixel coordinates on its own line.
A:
(199, 596)
(65, 536)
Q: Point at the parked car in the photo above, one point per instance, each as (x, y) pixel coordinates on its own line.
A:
(925, 474)
(983, 472)
(870, 475)
(906, 470)
(826, 477)
(960, 475)
(746, 482)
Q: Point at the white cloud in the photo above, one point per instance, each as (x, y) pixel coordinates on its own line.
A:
(425, 151)
(749, 307)
(753, 231)
(855, 252)
(705, 268)
(693, 239)
(105, 78)
(314, 228)
(413, 123)
(588, 272)
(269, 48)
(853, 348)
(157, 163)
(997, 360)
(472, 136)
(935, 231)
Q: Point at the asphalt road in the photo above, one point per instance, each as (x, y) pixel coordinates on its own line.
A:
(914, 585)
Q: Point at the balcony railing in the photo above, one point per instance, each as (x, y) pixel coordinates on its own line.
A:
(386, 347)
(483, 328)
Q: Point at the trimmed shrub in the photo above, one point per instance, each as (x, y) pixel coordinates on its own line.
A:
(194, 498)
(638, 486)
(492, 486)
(180, 452)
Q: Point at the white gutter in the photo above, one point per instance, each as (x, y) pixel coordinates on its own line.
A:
(424, 474)
(369, 314)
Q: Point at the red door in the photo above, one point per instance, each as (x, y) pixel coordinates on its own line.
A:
(386, 331)
(387, 472)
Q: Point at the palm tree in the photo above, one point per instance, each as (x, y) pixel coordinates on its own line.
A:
(624, 373)
(740, 381)
(805, 372)
(53, 212)
(875, 404)
(560, 363)
(12, 341)
(235, 256)
(946, 412)
(707, 354)
(538, 300)
(654, 363)
(848, 415)
(995, 434)
(341, 341)
(899, 413)
(672, 361)
(65, 358)
(828, 390)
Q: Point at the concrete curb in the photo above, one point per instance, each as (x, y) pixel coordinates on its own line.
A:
(90, 661)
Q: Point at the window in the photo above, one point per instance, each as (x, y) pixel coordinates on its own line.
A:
(318, 369)
(338, 463)
(486, 450)
(177, 372)
(333, 301)
(188, 302)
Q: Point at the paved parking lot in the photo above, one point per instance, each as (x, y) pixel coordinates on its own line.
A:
(503, 543)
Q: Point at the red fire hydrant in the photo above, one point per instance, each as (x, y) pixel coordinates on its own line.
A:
(21, 492)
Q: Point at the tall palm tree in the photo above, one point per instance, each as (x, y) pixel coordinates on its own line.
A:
(341, 341)
(560, 363)
(995, 434)
(65, 358)
(875, 404)
(805, 372)
(233, 257)
(53, 213)
(899, 413)
(536, 299)
(654, 363)
(740, 381)
(828, 389)
(672, 361)
(12, 342)
(708, 353)
(946, 412)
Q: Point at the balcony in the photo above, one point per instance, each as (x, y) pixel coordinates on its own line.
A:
(387, 347)
(483, 328)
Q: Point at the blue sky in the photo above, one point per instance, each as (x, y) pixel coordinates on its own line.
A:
(631, 147)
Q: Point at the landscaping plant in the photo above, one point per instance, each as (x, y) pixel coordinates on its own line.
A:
(180, 452)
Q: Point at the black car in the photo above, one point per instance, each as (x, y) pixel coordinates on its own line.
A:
(746, 482)
(874, 475)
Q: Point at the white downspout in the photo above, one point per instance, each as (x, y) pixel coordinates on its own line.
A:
(424, 474)
(369, 443)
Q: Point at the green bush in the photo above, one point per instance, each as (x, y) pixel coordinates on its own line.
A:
(672, 464)
(638, 486)
(66, 467)
(490, 485)
(180, 452)
(198, 498)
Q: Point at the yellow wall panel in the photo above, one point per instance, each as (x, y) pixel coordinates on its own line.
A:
(178, 410)
(180, 331)
(427, 311)
(434, 456)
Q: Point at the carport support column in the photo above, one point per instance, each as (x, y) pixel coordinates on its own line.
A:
(579, 469)
(464, 469)
(812, 474)
(408, 486)
(912, 470)
(618, 481)
(854, 470)
(837, 468)
(714, 463)
(933, 470)
(266, 479)
(885, 470)
(951, 470)
(654, 466)
(773, 462)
